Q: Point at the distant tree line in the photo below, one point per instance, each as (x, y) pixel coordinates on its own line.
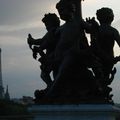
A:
(11, 109)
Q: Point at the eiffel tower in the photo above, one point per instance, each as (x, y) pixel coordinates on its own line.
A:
(1, 84)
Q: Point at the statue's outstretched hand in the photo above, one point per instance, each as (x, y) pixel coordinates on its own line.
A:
(30, 40)
(93, 23)
(91, 20)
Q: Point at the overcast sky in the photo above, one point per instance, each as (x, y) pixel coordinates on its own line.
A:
(20, 17)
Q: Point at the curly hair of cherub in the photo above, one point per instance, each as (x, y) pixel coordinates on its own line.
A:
(105, 15)
(51, 17)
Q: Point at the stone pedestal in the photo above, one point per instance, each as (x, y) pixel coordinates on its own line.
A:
(74, 112)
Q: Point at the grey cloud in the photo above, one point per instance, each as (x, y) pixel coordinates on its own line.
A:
(18, 11)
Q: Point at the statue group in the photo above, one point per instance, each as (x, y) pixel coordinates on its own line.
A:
(75, 71)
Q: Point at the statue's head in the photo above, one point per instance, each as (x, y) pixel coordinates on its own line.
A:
(66, 9)
(105, 15)
(51, 20)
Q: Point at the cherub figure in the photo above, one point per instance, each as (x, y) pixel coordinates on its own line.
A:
(70, 52)
(48, 43)
(103, 37)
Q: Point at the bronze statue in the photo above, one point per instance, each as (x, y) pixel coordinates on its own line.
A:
(103, 37)
(81, 72)
(48, 43)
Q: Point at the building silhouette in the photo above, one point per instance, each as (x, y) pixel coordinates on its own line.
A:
(1, 82)
(7, 95)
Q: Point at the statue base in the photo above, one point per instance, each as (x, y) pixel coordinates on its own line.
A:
(75, 112)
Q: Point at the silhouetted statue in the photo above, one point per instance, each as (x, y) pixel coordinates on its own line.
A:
(66, 52)
(81, 72)
(103, 37)
(48, 43)
(106, 36)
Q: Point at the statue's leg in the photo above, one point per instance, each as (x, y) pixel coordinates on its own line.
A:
(61, 81)
(46, 78)
(45, 75)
